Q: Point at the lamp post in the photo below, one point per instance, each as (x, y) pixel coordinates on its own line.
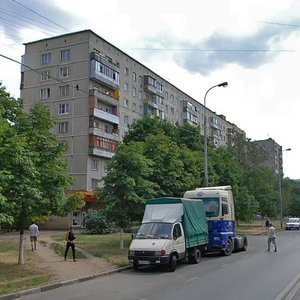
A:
(223, 84)
(280, 190)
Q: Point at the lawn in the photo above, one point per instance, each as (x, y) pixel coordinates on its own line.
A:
(14, 277)
(105, 245)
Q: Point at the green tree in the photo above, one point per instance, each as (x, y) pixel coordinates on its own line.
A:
(32, 169)
(127, 184)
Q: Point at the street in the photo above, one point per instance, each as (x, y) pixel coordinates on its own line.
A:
(254, 274)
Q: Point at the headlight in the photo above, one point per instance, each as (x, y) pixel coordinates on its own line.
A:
(160, 253)
(216, 238)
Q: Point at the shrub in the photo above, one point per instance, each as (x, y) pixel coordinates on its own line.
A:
(96, 221)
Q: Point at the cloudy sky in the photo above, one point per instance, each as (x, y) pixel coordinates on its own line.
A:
(253, 45)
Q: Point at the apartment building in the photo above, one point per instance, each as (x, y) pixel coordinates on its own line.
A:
(95, 90)
(273, 154)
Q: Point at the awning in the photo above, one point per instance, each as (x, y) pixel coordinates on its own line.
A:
(88, 195)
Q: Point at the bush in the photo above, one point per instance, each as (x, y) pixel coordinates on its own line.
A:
(96, 222)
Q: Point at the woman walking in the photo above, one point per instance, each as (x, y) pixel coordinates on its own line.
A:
(70, 237)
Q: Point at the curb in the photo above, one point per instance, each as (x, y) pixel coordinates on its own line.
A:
(60, 284)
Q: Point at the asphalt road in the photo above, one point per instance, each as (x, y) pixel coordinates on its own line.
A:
(254, 274)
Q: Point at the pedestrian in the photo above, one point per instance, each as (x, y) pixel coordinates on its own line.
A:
(34, 232)
(266, 222)
(272, 238)
(70, 237)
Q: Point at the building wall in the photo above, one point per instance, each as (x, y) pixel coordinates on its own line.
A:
(99, 111)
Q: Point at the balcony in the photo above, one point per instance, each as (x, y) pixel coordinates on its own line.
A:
(190, 118)
(110, 118)
(100, 152)
(150, 86)
(104, 74)
(106, 97)
(100, 132)
(214, 125)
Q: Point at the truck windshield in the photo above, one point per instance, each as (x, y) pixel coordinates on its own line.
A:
(211, 206)
(154, 231)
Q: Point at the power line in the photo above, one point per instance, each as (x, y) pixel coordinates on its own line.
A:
(33, 11)
(20, 16)
(210, 50)
(280, 24)
(40, 73)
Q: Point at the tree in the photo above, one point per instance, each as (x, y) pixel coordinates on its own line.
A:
(32, 169)
(126, 185)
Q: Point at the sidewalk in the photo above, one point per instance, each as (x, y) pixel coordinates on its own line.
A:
(62, 272)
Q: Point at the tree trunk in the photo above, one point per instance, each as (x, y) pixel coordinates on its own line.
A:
(121, 239)
(21, 248)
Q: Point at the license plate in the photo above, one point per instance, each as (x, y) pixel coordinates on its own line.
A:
(144, 262)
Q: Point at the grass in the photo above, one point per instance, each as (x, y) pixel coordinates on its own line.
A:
(14, 277)
(105, 246)
(43, 243)
(60, 250)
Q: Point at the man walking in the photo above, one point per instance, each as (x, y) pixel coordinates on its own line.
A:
(272, 238)
(34, 232)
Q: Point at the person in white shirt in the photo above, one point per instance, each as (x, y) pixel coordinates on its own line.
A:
(34, 232)
(272, 238)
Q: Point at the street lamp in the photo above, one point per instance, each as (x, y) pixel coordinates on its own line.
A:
(280, 189)
(223, 84)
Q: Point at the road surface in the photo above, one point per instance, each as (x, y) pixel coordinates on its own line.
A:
(254, 274)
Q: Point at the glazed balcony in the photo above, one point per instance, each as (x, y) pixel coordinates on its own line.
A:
(101, 152)
(109, 136)
(111, 98)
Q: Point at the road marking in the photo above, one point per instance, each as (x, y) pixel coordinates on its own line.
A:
(289, 292)
(191, 279)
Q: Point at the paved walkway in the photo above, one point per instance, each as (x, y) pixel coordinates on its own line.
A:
(47, 260)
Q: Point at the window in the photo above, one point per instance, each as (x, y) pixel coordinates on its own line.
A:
(126, 119)
(63, 127)
(94, 183)
(63, 109)
(134, 76)
(134, 107)
(140, 95)
(126, 71)
(125, 86)
(176, 232)
(134, 92)
(94, 165)
(141, 109)
(65, 54)
(46, 58)
(45, 93)
(126, 103)
(140, 80)
(63, 90)
(64, 72)
(45, 75)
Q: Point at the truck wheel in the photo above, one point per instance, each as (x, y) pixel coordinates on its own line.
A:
(245, 244)
(228, 248)
(196, 257)
(173, 263)
(136, 266)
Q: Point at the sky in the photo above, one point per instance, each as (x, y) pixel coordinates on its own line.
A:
(253, 45)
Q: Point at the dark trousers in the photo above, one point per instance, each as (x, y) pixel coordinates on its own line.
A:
(67, 249)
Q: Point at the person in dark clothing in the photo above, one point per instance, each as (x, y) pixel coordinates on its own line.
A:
(70, 237)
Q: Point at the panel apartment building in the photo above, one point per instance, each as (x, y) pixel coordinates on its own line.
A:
(95, 90)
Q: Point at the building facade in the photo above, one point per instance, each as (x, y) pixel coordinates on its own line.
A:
(273, 153)
(95, 91)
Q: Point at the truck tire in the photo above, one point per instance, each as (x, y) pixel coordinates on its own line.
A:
(136, 266)
(245, 244)
(228, 248)
(196, 257)
(173, 263)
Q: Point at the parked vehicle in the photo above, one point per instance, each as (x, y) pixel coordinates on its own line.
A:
(219, 208)
(180, 229)
(293, 223)
(172, 230)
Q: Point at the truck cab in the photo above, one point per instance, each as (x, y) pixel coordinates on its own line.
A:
(219, 209)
